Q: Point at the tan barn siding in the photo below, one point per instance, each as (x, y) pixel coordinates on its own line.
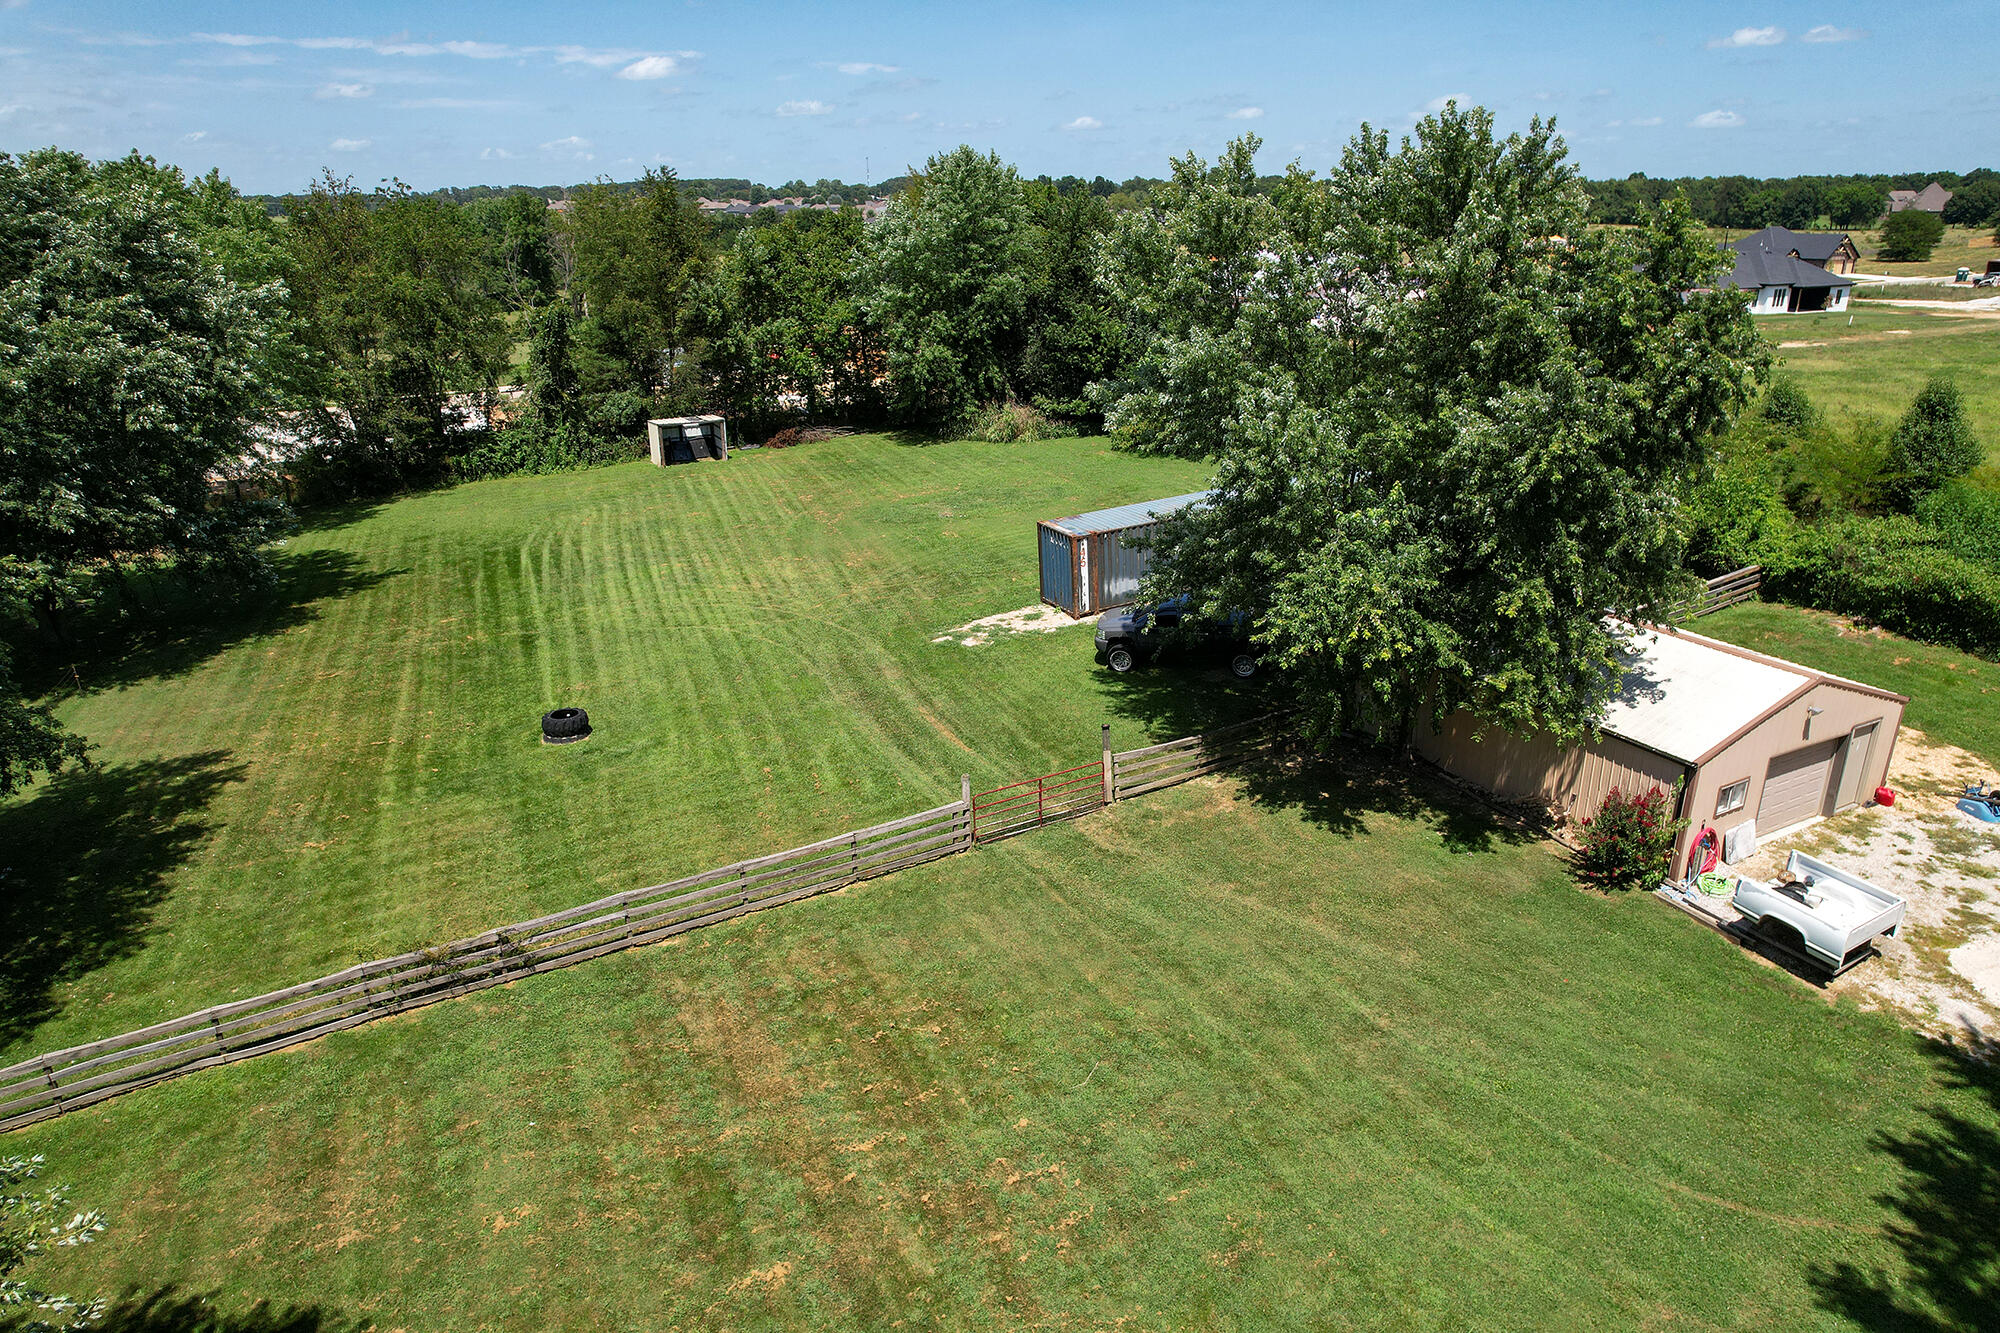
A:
(1750, 755)
(1571, 781)
(1613, 762)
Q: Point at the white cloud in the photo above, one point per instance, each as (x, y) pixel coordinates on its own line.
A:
(805, 108)
(1826, 32)
(866, 67)
(1750, 37)
(1246, 113)
(650, 67)
(1716, 120)
(1085, 123)
(494, 155)
(1647, 122)
(349, 145)
(332, 90)
(194, 136)
(638, 64)
(1437, 104)
(573, 145)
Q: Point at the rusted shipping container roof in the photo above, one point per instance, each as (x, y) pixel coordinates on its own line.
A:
(1125, 516)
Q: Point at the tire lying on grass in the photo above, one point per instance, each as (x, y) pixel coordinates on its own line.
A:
(564, 725)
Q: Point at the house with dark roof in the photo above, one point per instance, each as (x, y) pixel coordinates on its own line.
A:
(1773, 268)
(1833, 251)
(1931, 199)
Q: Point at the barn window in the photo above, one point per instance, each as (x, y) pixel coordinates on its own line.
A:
(1733, 797)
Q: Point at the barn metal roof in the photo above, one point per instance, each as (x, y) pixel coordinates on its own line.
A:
(1125, 516)
(1683, 695)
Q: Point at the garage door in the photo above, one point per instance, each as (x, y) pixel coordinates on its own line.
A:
(1795, 786)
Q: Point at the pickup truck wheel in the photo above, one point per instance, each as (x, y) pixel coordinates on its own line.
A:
(1243, 666)
(1120, 659)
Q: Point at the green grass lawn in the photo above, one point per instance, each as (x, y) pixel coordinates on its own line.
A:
(1967, 247)
(1324, 1053)
(1871, 360)
(1320, 1049)
(1954, 696)
(354, 770)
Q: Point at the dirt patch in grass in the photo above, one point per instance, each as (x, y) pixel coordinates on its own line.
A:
(1943, 975)
(1038, 619)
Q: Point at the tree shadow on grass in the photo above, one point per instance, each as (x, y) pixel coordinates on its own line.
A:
(86, 860)
(1948, 1215)
(167, 630)
(1337, 786)
(168, 1309)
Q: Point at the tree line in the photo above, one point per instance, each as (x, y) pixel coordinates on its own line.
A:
(1798, 202)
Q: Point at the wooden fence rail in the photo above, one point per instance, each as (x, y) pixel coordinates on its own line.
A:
(80, 1076)
(1739, 585)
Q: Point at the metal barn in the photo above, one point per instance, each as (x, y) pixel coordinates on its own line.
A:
(687, 439)
(1090, 562)
(1753, 739)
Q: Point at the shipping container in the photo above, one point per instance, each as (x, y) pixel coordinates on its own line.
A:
(1093, 562)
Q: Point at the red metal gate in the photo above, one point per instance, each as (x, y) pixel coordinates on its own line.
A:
(1033, 802)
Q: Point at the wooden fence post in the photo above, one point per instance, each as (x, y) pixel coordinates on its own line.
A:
(1104, 739)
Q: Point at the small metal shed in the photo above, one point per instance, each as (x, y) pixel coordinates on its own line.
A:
(1092, 562)
(687, 439)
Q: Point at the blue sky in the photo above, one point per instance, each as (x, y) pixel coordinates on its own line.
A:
(508, 92)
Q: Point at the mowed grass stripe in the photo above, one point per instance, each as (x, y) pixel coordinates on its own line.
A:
(772, 614)
(1325, 1096)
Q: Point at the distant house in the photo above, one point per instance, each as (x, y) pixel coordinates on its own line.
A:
(1773, 266)
(1931, 199)
(1833, 251)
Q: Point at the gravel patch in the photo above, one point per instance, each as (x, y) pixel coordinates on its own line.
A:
(1943, 975)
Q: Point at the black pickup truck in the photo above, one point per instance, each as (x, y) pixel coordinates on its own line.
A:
(1132, 635)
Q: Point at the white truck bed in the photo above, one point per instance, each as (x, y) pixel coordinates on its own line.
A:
(1835, 914)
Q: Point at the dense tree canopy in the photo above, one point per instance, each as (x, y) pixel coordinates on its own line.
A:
(784, 319)
(148, 347)
(949, 285)
(393, 290)
(1444, 412)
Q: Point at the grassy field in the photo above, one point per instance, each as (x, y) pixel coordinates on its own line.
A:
(1315, 1052)
(1317, 1048)
(1954, 697)
(1870, 362)
(354, 770)
(1968, 247)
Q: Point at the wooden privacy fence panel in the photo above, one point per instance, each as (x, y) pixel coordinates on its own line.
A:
(65, 1080)
(1739, 585)
(77, 1077)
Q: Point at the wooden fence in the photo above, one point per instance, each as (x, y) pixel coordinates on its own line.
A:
(67, 1080)
(1737, 586)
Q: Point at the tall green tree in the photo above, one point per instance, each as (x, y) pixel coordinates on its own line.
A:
(136, 369)
(1911, 235)
(1444, 414)
(1074, 337)
(950, 286)
(520, 248)
(636, 255)
(784, 319)
(1933, 443)
(392, 288)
